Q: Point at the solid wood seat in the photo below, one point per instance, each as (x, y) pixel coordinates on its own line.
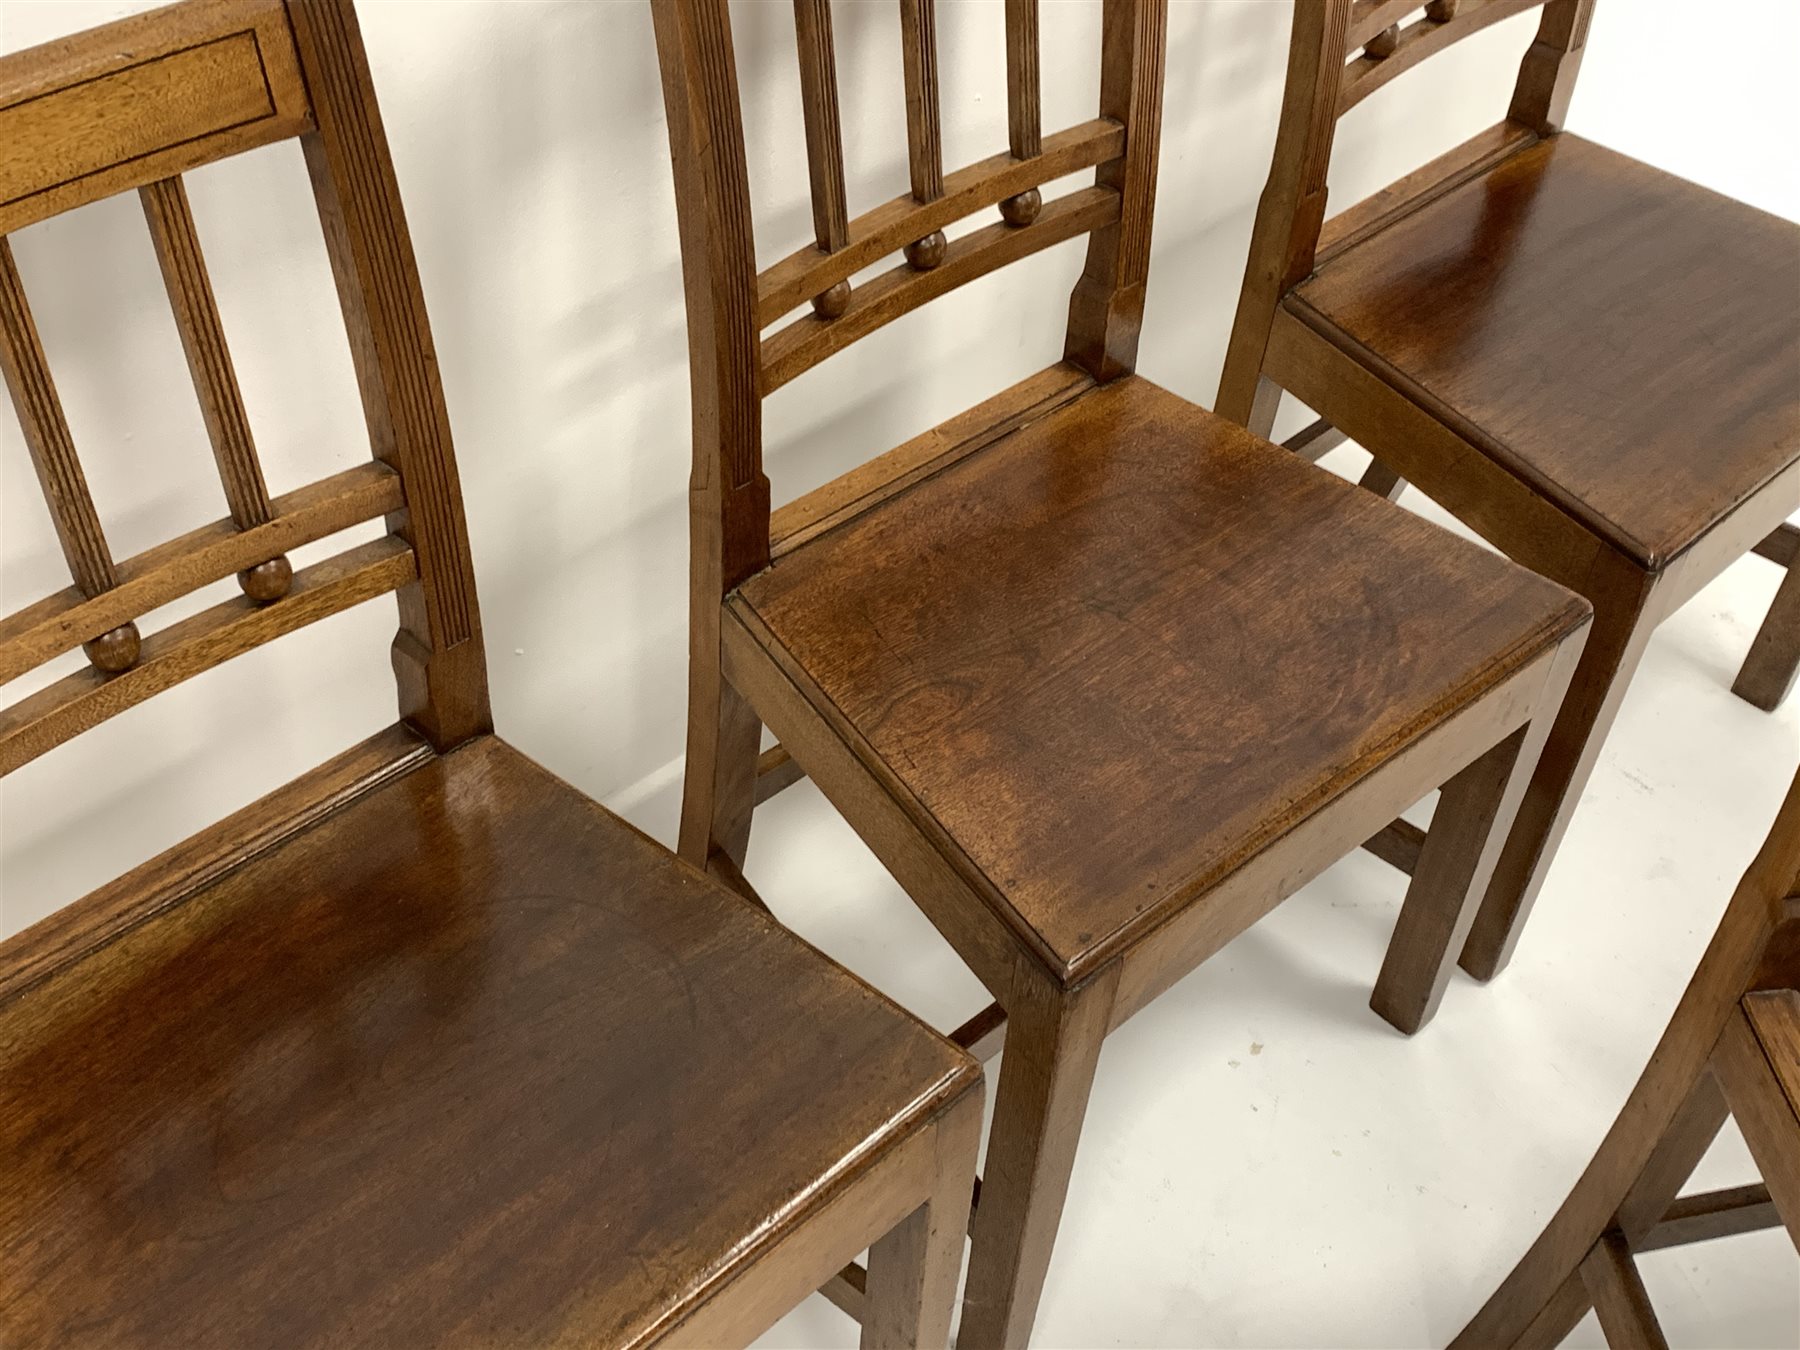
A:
(1623, 340)
(471, 1039)
(1121, 650)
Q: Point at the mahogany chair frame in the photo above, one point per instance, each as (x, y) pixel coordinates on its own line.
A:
(132, 106)
(1054, 1020)
(1340, 52)
(1732, 1047)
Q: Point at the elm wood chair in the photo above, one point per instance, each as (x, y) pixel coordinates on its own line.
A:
(1593, 364)
(425, 1048)
(1733, 1047)
(983, 645)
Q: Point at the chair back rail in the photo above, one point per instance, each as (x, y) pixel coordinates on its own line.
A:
(132, 106)
(735, 363)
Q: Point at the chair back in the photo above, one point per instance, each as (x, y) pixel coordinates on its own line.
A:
(132, 106)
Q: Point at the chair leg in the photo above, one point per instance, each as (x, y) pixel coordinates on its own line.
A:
(1460, 850)
(1455, 863)
(1264, 407)
(1053, 1040)
(718, 793)
(1623, 623)
(1382, 481)
(1638, 1170)
(1768, 671)
(1626, 1317)
(1765, 1116)
(914, 1269)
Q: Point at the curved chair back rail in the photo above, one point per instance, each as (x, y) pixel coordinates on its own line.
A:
(132, 106)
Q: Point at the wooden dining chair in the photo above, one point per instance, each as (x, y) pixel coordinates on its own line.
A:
(1593, 364)
(1733, 1047)
(425, 1048)
(1100, 677)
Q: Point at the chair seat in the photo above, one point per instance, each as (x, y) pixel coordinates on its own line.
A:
(470, 1063)
(1117, 652)
(1623, 341)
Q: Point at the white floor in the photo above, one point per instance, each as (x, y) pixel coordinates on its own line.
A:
(1265, 1163)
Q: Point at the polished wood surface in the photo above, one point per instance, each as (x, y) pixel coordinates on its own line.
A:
(1592, 364)
(1622, 340)
(426, 1048)
(1774, 1015)
(1099, 678)
(1732, 1047)
(469, 1061)
(143, 99)
(1015, 638)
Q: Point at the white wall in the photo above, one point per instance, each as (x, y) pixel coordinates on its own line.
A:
(530, 148)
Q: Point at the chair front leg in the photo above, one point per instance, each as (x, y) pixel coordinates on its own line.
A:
(914, 1269)
(1460, 850)
(1053, 1041)
(1475, 814)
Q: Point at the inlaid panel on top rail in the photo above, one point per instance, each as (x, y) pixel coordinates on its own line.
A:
(410, 854)
(142, 100)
